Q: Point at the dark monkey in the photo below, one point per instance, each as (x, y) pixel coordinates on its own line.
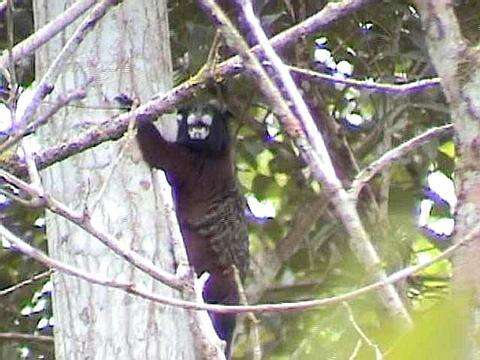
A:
(210, 209)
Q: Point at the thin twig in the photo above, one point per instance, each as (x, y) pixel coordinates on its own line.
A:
(254, 321)
(19, 337)
(46, 84)
(363, 336)
(384, 88)
(33, 173)
(131, 288)
(60, 102)
(24, 283)
(16, 198)
(396, 154)
(356, 350)
(41, 36)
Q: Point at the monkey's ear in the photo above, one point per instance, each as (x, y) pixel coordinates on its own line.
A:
(220, 107)
(181, 113)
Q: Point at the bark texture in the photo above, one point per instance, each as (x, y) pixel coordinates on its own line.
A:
(128, 52)
(458, 65)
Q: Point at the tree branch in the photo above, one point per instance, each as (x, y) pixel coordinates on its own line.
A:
(19, 337)
(361, 333)
(113, 129)
(82, 219)
(130, 288)
(21, 284)
(43, 35)
(384, 88)
(59, 103)
(364, 176)
(46, 84)
(312, 146)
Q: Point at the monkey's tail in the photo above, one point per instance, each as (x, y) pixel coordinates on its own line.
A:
(221, 288)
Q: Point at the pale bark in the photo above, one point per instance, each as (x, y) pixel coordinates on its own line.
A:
(129, 53)
(457, 65)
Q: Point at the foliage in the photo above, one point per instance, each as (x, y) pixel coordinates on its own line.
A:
(383, 42)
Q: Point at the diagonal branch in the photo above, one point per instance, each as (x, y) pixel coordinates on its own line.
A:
(113, 129)
(23, 283)
(130, 288)
(395, 154)
(46, 84)
(309, 141)
(60, 102)
(43, 35)
(83, 220)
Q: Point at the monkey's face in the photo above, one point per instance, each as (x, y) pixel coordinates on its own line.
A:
(203, 128)
(198, 126)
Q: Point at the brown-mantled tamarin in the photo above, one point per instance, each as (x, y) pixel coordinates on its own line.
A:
(210, 209)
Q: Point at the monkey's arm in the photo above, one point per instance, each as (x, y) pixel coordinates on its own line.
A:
(158, 152)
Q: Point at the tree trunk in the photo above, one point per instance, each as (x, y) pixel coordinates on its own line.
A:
(128, 52)
(457, 64)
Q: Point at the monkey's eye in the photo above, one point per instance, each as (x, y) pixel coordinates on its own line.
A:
(192, 119)
(207, 119)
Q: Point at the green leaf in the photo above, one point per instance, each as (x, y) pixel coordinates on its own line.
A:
(448, 148)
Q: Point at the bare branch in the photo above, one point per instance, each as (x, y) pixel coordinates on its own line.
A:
(33, 173)
(46, 84)
(267, 86)
(356, 350)
(363, 336)
(18, 199)
(384, 88)
(19, 337)
(231, 309)
(113, 129)
(59, 103)
(396, 154)
(254, 321)
(41, 36)
(319, 159)
(310, 143)
(26, 282)
(83, 220)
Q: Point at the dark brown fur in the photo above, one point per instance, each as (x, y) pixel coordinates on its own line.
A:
(210, 209)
